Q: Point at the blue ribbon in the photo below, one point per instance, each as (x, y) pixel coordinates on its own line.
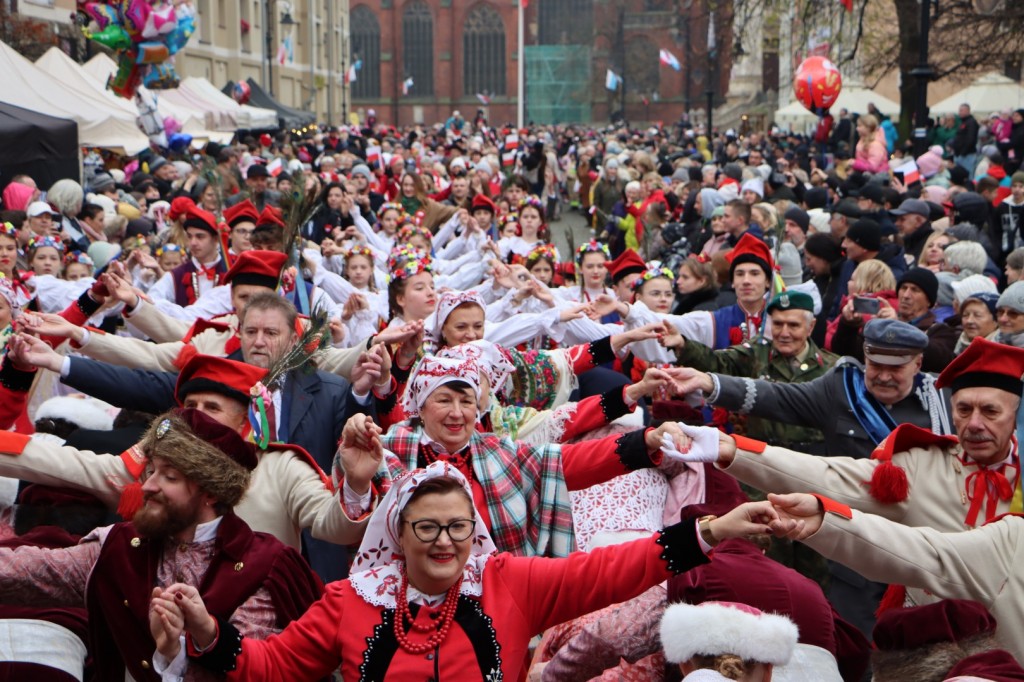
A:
(875, 419)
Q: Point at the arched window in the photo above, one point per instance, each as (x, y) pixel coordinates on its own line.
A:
(483, 52)
(641, 66)
(566, 22)
(418, 48)
(365, 47)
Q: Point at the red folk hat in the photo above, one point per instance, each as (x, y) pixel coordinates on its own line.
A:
(213, 374)
(261, 268)
(995, 665)
(271, 216)
(950, 620)
(750, 249)
(484, 202)
(198, 218)
(242, 212)
(985, 363)
(179, 207)
(627, 263)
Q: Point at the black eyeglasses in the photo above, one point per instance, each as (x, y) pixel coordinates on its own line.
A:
(458, 530)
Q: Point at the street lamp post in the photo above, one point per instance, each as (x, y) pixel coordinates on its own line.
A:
(286, 21)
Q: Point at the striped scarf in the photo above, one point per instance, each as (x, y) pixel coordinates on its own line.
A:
(527, 499)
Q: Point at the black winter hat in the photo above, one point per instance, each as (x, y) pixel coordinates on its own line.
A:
(866, 233)
(822, 246)
(923, 278)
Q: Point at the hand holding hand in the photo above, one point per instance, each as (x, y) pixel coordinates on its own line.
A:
(166, 623)
(360, 453)
(800, 515)
(701, 444)
(749, 519)
(198, 621)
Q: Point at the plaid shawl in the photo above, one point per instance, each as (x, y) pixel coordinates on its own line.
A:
(527, 499)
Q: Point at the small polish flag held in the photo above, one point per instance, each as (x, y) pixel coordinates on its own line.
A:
(669, 59)
(911, 173)
(508, 156)
(407, 85)
(350, 75)
(373, 155)
(275, 167)
(484, 98)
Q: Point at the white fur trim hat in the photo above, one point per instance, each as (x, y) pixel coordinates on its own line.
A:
(716, 628)
(85, 413)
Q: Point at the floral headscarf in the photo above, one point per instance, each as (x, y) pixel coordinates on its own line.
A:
(449, 302)
(406, 261)
(430, 374)
(491, 359)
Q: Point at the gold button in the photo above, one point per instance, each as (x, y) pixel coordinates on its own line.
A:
(239, 566)
(145, 665)
(136, 542)
(126, 602)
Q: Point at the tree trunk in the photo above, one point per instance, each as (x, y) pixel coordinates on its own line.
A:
(908, 19)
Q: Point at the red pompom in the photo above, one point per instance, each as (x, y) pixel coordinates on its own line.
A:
(894, 598)
(889, 483)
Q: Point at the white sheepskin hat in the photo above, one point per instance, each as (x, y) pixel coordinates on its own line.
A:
(85, 413)
(715, 628)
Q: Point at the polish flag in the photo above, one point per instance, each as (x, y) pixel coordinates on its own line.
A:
(911, 173)
(372, 155)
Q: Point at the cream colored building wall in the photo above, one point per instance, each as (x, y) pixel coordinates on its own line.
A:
(309, 80)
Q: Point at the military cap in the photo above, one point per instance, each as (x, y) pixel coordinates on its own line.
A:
(791, 300)
(891, 342)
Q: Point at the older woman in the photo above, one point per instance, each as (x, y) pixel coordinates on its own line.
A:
(428, 597)
(521, 489)
(978, 318)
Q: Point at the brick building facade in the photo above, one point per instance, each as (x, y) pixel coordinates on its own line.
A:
(454, 50)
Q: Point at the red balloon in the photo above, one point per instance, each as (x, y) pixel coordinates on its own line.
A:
(817, 84)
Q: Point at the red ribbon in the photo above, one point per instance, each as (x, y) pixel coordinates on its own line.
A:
(990, 484)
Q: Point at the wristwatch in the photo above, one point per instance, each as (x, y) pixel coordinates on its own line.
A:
(704, 525)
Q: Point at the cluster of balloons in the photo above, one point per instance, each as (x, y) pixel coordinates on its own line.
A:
(144, 35)
(817, 84)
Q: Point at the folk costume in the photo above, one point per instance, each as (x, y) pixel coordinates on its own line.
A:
(190, 280)
(249, 578)
(486, 620)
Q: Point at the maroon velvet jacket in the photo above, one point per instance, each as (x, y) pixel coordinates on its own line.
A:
(122, 581)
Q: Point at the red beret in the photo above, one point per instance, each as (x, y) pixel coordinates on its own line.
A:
(179, 207)
(271, 216)
(198, 218)
(985, 363)
(262, 268)
(213, 374)
(950, 620)
(627, 263)
(225, 439)
(750, 249)
(242, 212)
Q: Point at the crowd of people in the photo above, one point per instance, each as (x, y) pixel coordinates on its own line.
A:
(337, 404)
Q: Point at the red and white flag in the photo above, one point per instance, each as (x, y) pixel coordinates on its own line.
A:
(373, 156)
(275, 167)
(911, 173)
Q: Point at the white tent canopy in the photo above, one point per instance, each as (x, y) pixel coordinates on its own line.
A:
(100, 122)
(193, 121)
(223, 113)
(989, 94)
(854, 97)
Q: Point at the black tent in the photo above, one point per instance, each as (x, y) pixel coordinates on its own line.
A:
(43, 147)
(288, 117)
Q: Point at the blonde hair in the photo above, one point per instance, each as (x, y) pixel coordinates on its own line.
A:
(873, 276)
(729, 666)
(932, 238)
(770, 213)
(869, 121)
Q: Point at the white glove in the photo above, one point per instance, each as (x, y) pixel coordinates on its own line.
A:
(704, 447)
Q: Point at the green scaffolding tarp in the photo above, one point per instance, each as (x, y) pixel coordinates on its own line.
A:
(558, 84)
